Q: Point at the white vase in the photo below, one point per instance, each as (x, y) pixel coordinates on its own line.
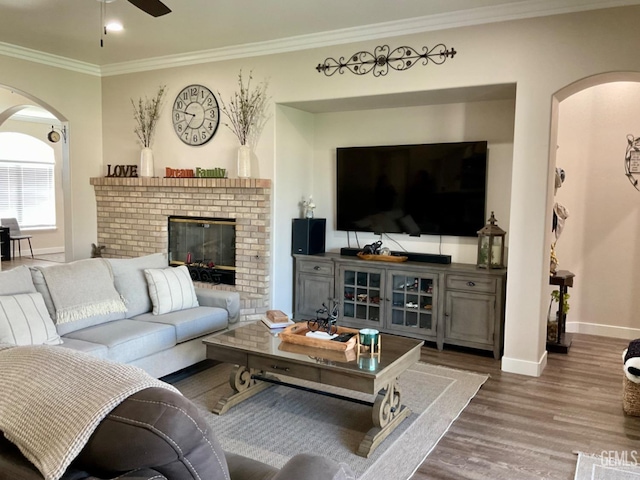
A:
(244, 161)
(146, 163)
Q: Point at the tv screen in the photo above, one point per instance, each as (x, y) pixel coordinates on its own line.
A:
(435, 189)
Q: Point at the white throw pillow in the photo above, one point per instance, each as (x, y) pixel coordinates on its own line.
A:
(170, 289)
(24, 320)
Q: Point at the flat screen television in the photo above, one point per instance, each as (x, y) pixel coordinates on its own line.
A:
(435, 189)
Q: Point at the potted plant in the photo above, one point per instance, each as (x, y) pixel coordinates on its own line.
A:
(245, 112)
(552, 315)
(146, 113)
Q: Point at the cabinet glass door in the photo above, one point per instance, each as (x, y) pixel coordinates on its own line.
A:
(361, 295)
(412, 303)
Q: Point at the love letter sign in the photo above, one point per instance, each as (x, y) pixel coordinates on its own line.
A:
(122, 171)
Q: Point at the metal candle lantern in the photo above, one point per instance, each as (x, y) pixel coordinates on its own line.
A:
(491, 245)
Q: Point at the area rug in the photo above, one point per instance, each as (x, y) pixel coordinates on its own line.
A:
(614, 466)
(280, 421)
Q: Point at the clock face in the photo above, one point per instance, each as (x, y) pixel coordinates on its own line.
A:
(195, 115)
(54, 136)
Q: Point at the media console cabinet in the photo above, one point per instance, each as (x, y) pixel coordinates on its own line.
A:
(454, 304)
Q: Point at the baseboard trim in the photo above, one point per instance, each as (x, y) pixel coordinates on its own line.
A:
(525, 367)
(45, 251)
(603, 330)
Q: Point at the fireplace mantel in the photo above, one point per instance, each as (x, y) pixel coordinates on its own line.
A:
(182, 182)
(133, 221)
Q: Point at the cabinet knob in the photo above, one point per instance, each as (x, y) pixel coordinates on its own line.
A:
(471, 284)
(316, 267)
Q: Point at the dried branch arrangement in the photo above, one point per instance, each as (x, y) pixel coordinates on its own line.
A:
(246, 110)
(146, 113)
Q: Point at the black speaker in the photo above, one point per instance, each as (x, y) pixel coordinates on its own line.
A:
(308, 236)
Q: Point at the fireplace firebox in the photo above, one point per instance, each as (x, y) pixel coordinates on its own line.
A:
(207, 246)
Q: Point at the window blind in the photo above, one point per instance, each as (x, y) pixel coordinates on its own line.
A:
(27, 193)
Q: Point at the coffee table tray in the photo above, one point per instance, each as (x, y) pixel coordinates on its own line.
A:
(296, 334)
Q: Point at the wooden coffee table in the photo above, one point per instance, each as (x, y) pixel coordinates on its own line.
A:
(256, 352)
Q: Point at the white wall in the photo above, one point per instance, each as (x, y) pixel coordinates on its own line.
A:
(491, 121)
(50, 240)
(294, 181)
(306, 164)
(599, 242)
(73, 97)
(540, 55)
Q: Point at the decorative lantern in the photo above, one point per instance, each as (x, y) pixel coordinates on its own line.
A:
(491, 245)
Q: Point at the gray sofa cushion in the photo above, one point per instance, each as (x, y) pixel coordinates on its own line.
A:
(127, 339)
(95, 349)
(131, 283)
(190, 323)
(16, 280)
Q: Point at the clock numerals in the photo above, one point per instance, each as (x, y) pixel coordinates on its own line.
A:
(195, 115)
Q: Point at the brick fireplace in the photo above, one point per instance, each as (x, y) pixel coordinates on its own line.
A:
(133, 221)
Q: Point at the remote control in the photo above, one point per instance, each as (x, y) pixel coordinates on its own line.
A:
(343, 337)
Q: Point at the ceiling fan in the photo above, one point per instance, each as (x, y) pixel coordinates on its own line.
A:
(155, 8)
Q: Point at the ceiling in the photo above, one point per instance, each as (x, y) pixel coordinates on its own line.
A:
(72, 28)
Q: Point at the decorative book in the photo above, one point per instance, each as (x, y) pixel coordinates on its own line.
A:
(276, 319)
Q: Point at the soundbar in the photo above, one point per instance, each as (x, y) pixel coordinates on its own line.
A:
(412, 256)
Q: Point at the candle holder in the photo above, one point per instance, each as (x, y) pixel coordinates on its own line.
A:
(368, 349)
(369, 340)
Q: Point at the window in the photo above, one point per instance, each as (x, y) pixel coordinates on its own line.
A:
(27, 187)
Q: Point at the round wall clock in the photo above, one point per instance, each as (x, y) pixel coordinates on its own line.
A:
(195, 115)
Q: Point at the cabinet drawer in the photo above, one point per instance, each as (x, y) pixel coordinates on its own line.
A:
(284, 367)
(321, 268)
(470, 283)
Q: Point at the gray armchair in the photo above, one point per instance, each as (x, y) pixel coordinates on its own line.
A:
(158, 434)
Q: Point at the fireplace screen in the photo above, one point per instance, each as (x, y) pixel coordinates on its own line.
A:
(207, 246)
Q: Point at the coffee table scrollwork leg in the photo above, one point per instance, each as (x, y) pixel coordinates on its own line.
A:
(387, 414)
(240, 378)
(244, 387)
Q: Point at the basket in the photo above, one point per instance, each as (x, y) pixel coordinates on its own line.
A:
(631, 397)
(296, 334)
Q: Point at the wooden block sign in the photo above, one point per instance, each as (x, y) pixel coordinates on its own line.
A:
(122, 171)
(197, 173)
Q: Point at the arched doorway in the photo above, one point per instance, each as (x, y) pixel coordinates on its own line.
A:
(12, 102)
(591, 121)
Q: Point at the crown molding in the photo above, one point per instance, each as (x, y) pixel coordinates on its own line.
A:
(464, 18)
(48, 59)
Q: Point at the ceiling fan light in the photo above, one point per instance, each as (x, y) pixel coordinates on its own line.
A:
(114, 27)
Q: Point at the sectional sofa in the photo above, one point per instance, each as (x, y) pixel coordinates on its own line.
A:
(136, 311)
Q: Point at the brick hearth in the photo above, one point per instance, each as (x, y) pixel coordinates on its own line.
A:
(133, 213)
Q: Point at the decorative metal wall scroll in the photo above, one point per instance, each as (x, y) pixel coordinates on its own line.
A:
(383, 58)
(632, 159)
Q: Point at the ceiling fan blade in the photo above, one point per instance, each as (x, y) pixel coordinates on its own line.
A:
(155, 8)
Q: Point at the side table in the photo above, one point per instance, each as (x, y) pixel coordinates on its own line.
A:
(563, 279)
(5, 250)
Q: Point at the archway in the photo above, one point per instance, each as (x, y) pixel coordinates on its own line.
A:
(25, 99)
(591, 120)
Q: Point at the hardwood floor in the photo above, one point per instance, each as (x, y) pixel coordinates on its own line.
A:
(520, 428)
(25, 260)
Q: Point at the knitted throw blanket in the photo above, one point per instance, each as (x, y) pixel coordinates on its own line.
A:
(81, 289)
(53, 398)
